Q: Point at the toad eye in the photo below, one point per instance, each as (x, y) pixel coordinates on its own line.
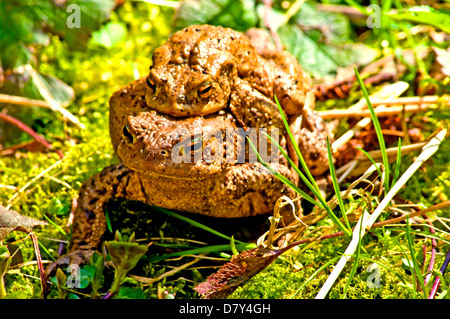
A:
(129, 136)
(205, 90)
(151, 84)
(196, 145)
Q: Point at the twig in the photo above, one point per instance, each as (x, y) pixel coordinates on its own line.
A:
(29, 131)
(380, 112)
(20, 100)
(364, 224)
(149, 281)
(411, 104)
(42, 275)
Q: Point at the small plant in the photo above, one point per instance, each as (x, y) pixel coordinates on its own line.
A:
(124, 257)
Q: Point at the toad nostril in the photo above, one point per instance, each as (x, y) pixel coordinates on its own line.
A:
(128, 135)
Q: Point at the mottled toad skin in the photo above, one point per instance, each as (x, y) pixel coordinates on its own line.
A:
(148, 116)
(203, 69)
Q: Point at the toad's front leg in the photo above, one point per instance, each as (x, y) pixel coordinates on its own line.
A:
(252, 108)
(89, 223)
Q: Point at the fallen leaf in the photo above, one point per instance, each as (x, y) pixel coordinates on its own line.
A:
(11, 220)
(237, 271)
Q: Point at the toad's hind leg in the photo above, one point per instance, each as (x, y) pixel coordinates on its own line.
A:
(89, 222)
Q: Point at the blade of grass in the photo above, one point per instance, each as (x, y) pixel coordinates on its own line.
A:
(300, 174)
(51, 222)
(371, 160)
(377, 127)
(355, 264)
(413, 258)
(194, 223)
(336, 185)
(324, 205)
(296, 148)
(313, 276)
(201, 250)
(398, 162)
(315, 189)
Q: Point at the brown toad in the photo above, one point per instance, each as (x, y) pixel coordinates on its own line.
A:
(202, 69)
(169, 130)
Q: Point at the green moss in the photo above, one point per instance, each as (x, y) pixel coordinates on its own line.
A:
(283, 278)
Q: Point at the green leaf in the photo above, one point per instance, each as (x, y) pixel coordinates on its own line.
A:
(5, 260)
(87, 274)
(335, 27)
(408, 264)
(110, 34)
(308, 52)
(130, 293)
(321, 41)
(125, 255)
(92, 13)
(424, 15)
(97, 263)
(238, 15)
(60, 278)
